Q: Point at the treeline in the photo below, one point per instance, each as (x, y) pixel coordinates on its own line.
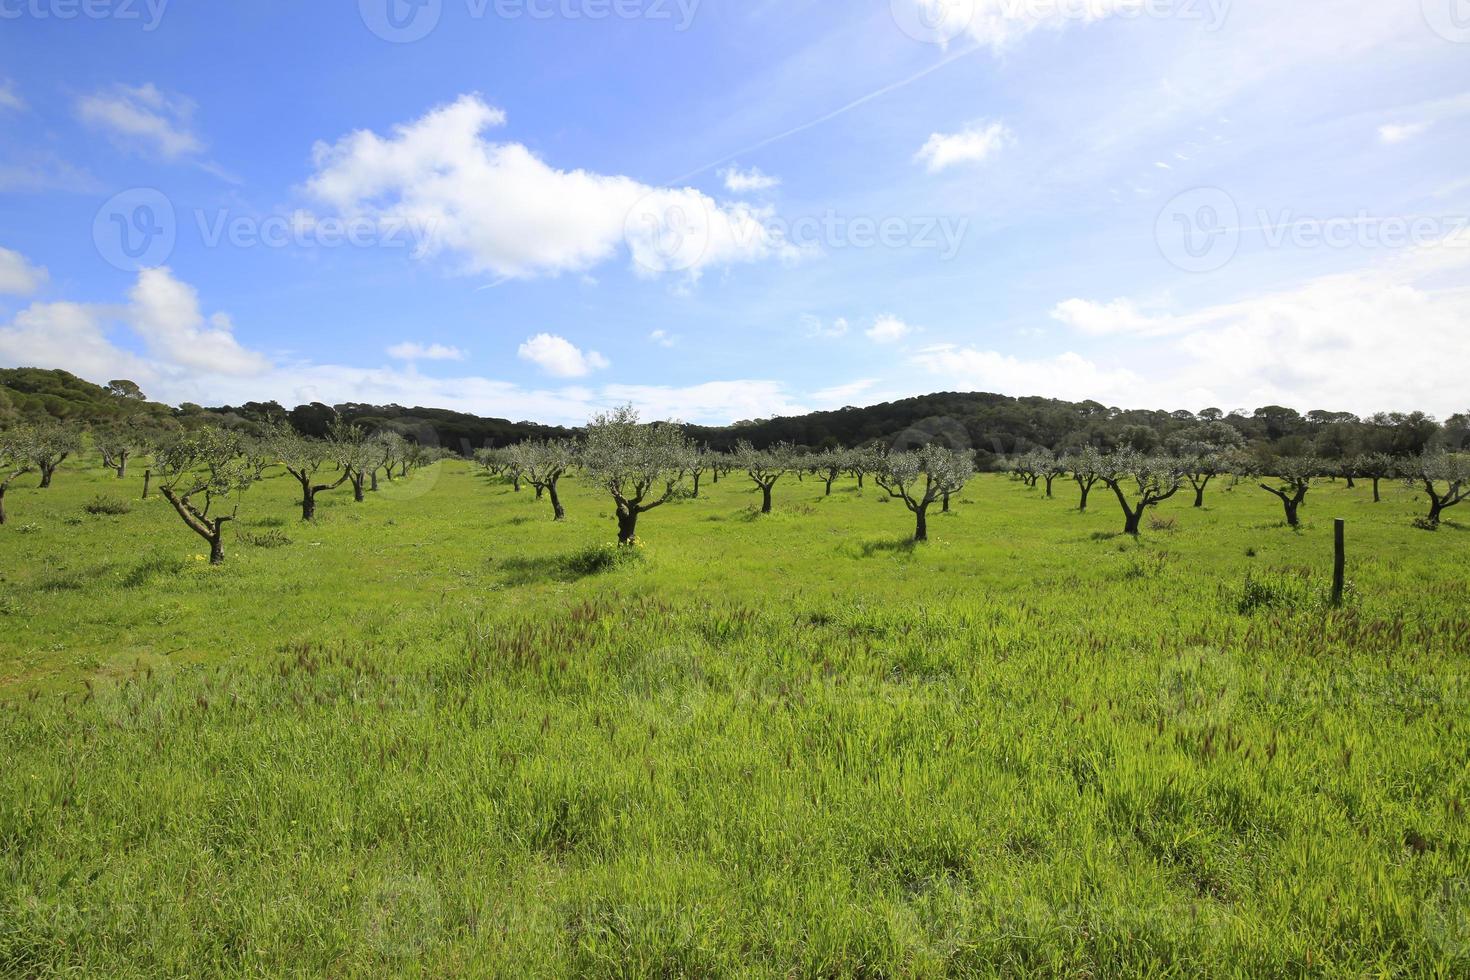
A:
(992, 426)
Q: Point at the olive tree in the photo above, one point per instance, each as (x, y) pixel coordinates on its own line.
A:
(1086, 467)
(1291, 478)
(546, 462)
(17, 457)
(639, 465)
(350, 448)
(700, 463)
(387, 449)
(829, 465)
(862, 461)
(207, 463)
(303, 458)
(118, 444)
(1149, 480)
(1445, 478)
(920, 477)
(1377, 467)
(52, 443)
(1044, 465)
(765, 467)
(1199, 469)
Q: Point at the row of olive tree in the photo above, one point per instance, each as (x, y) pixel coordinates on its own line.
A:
(1141, 481)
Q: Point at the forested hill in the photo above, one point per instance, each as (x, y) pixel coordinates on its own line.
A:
(989, 423)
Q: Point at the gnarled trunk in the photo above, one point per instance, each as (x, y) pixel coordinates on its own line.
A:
(921, 523)
(147, 479)
(766, 497)
(556, 509)
(627, 527)
(1377, 498)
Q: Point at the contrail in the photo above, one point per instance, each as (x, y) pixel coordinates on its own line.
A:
(861, 100)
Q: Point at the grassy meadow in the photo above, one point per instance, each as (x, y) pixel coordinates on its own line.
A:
(437, 734)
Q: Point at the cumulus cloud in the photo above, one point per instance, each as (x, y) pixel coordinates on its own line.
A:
(560, 358)
(70, 336)
(663, 338)
(165, 313)
(410, 351)
(888, 329)
(974, 144)
(18, 277)
(739, 181)
(497, 208)
(143, 117)
(1385, 337)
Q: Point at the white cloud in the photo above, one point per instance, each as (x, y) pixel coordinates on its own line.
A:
(560, 358)
(1067, 375)
(998, 23)
(410, 351)
(663, 338)
(71, 336)
(888, 329)
(500, 209)
(17, 276)
(975, 144)
(143, 115)
(1400, 132)
(1120, 316)
(9, 98)
(1386, 337)
(739, 181)
(165, 313)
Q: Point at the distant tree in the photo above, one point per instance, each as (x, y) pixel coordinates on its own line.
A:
(17, 458)
(1086, 467)
(700, 462)
(118, 443)
(1292, 477)
(350, 448)
(764, 467)
(862, 461)
(829, 465)
(1046, 467)
(1445, 478)
(639, 465)
(123, 388)
(303, 458)
(920, 477)
(1199, 470)
(1376, 467)
(1150, 480)
(546, 462)
(51, 444)
(205, 462)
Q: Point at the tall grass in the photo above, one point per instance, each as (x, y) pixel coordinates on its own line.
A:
(430, 736)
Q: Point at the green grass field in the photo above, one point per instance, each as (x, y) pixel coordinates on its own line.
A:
(425, 736)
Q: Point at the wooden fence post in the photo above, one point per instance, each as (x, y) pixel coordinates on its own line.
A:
(1339, 561)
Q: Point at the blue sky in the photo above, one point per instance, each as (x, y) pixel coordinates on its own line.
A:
(721, 210)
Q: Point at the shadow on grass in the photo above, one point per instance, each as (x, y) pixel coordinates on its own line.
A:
(888, 546)
(570, 567)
